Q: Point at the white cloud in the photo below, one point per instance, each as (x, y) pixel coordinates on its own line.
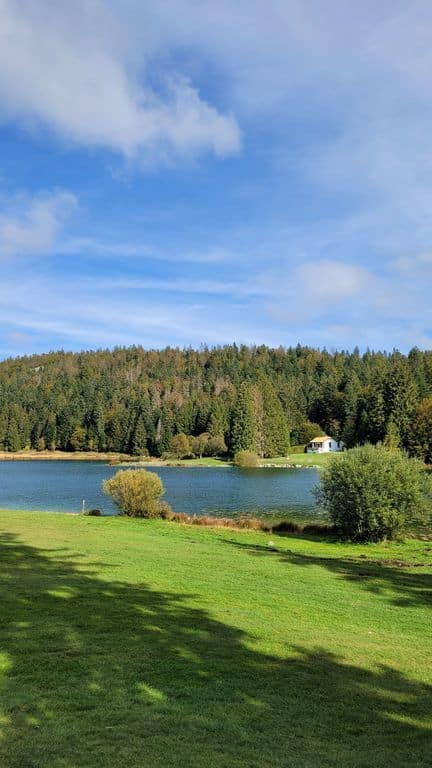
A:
(33, 228)
(329, 281)
(74, 68)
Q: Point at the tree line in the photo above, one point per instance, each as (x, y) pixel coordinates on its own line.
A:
(223, 399)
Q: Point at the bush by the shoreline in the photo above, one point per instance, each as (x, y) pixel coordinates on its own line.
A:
(373, 492)
(245, 459)
(135, 492)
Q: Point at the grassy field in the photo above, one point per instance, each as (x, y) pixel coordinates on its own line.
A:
(129, 643)
(293, 459)
(301, 459)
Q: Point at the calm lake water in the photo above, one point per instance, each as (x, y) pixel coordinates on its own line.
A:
(62, 485)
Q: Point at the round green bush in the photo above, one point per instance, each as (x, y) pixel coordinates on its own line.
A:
(245, 459)
(373, 492)
(136, 492)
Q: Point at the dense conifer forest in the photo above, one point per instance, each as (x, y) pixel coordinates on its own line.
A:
(226, 398)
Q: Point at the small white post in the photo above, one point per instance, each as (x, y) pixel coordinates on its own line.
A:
(83, 506)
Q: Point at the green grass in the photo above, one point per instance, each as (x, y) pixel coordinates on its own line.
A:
(302, 459)
(299, 459)
(152, 645)
(206, 461)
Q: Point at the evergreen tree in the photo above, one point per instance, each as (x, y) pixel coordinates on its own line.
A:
(13, 442)
(371, 420)
(243, 432)
(139, 440)
(78, 439)
(420, 442)
(400, 397)
(275, 428)
(219, 418)
(49, 433)
(350, 407)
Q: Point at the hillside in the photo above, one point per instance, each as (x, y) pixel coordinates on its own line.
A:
(135, 401)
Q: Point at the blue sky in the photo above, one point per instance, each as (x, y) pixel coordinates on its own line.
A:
(185, 173)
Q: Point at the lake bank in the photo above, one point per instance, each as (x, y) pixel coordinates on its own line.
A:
(120, 459)
(210, 647)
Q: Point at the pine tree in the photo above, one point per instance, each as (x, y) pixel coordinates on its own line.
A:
(164, 432)
(420, 444)
(275, 427)
(400, 397)
(13, 442)
(139, 439)
(350, 401)
(219, 418)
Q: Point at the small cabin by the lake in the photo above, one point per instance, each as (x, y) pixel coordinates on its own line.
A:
(324, 444)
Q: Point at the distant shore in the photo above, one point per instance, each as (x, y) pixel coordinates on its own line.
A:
(107, 457)
(295, 460)
(60, 456)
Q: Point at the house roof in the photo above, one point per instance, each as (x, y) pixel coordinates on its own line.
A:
(320, 439)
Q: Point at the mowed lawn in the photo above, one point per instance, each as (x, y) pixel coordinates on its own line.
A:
(128, 643)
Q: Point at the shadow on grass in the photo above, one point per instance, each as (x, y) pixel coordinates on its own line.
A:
(99, 673)
(408, 587)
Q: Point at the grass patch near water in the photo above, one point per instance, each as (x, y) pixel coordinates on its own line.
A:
(149, 644)
(301, 459)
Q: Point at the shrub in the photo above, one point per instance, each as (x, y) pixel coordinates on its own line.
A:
(180, 446)
(215, 446)
(305, 432)
(320, 529)
(180, 517)
(207, 445)
(93, 513)
(245, 459)
(165, 511)
(136, 492)
(373, 492)
(287, 526)
(199, 444)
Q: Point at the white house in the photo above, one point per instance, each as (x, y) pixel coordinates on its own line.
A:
(324, 444)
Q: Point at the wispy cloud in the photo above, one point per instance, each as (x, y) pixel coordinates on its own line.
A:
(73, 68)
(135, 249)
(31, 226)
(81, 314)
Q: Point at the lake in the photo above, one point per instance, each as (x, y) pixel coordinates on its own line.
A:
(62, 485)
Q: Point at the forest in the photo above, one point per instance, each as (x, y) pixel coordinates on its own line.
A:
(224, 399)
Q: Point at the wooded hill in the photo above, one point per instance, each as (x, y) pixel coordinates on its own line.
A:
(256, 398)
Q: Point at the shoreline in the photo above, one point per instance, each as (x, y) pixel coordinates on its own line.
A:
(123, 460)
(60, 456)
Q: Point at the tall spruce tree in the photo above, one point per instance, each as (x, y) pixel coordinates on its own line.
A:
(275, 427)
(139, 439)
(243, 430)
(400, 397)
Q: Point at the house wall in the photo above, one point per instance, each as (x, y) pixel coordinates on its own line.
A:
(327, 447)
